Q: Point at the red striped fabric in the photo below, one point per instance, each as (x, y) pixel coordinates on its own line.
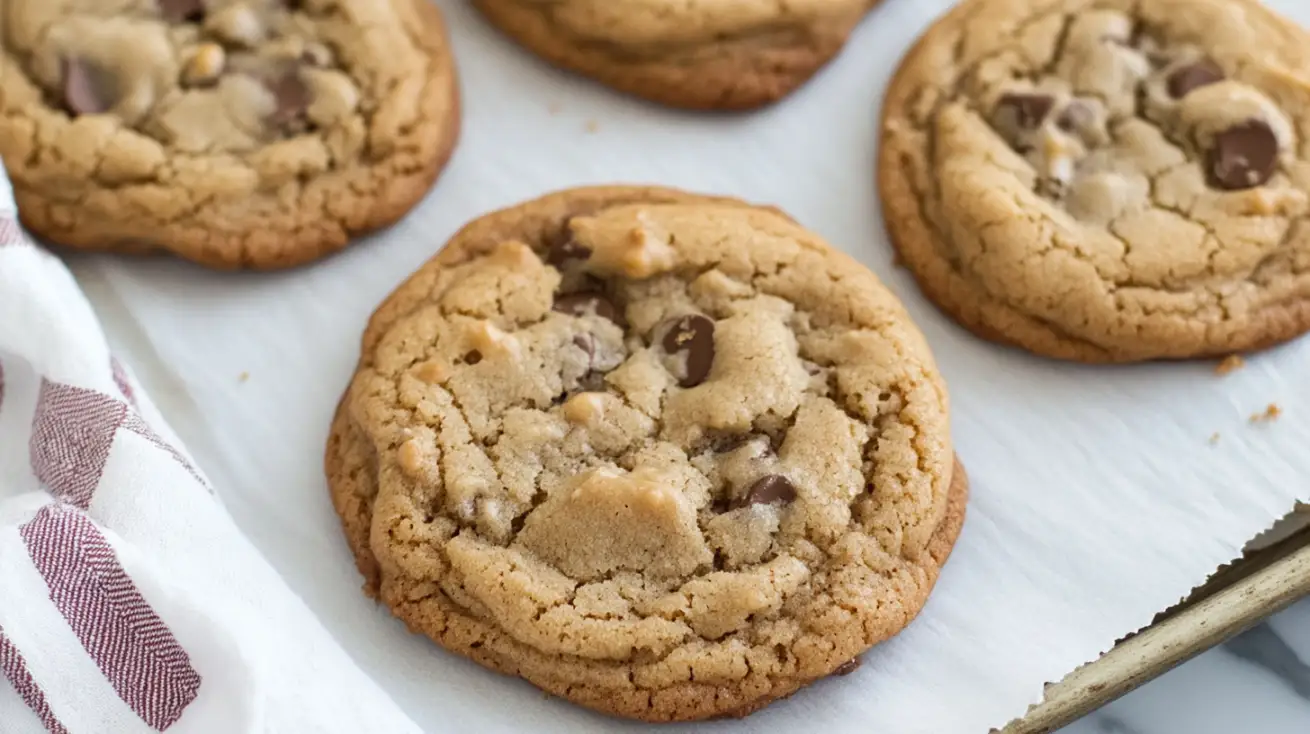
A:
(125, 637)
(71, 435)
(15, 669)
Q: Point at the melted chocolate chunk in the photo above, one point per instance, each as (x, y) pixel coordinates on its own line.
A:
(89, 89)
(292, 97)
(564, 248)
(1243, 156)
(1195, 75)
(1076, 117)
(772, 489)
(580, 304)
(1023, 111)
(693, 334)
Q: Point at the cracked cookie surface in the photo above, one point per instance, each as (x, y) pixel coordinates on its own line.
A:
(666, 456)
(235, 133)
(704, 54)
(1106, 180)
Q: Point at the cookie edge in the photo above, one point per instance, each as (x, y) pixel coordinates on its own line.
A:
(738, 79)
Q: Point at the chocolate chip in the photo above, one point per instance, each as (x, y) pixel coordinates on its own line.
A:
(473, 356)
(693, 334)
(1023, 111)
(182, 11)
(848, 667)
(1243, 156)
(1076, 116)
(565, 248)
(772, 489)
(1195, 75)
(291, 95)
(89, 89)
(580, 304)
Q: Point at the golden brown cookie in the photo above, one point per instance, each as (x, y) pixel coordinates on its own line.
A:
(235, 133)
(1106, 181)
(666, 456)
(707, 54)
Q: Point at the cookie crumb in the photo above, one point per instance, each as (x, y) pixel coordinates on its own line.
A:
(1214, 438)
(1270, 414)
(848, 667)
(1231, 363)
(243, 377)
(592, 126)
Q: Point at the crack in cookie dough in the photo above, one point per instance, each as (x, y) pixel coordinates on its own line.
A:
(716, 54)
(668, 456)
(1106, 180)
(236, 133)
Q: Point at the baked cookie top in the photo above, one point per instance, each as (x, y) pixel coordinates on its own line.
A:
(1106, 180)
(701, 54)
(666, 456)
(235, 132)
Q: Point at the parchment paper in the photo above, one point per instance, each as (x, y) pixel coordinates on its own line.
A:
(1098, 497)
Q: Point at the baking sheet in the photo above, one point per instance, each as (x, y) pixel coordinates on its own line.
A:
(1267, 581)
(1098, 496)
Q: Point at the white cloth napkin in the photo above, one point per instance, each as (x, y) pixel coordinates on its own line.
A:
(129, 602)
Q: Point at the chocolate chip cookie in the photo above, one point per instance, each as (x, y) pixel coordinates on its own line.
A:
(705, 54)
(666, 456)
(235, 133)
(1106, 181)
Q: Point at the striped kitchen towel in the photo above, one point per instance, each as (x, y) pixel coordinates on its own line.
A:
(129, 601)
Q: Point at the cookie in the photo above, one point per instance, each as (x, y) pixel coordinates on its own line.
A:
(1107, 181)
(707, 54)
(235, 133)
(666, 456)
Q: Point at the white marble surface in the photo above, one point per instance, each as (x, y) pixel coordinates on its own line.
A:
(1257, 683)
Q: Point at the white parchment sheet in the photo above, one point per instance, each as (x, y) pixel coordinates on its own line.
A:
(1098, 497)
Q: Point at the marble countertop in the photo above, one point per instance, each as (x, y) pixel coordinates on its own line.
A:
(1257, 683)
